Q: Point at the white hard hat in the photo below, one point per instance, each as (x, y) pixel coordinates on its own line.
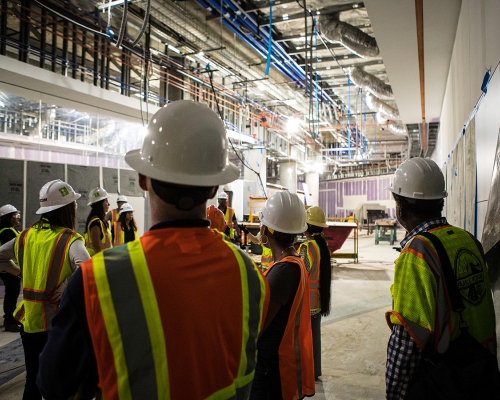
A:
(126, 208)
(97, 194)
(222, 196)
(121, 198)
(419, 178)
(186, 144)
(56, 194)
(7, 209)
(284, 212)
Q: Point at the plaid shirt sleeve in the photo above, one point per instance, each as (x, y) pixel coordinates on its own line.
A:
(403, 357)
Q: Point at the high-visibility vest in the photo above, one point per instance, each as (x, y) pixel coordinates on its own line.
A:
(115, 216)
(310, 253)
(296, 359)
(152, 336)
(120, 234)
(420, 300)
(106, 237)
(267, 257)
(43, 256)
(228, 216)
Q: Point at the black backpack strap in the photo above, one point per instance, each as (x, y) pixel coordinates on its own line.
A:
(449, 276)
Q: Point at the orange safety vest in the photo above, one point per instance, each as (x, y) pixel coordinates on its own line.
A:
(119, 234)
(310, 253)
(115, 216)
(296, 359)
(149, 339)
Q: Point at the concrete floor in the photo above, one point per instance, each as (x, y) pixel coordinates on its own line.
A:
(354, 336)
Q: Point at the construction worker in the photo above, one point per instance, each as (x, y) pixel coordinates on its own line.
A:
(9, 274)
(48, 253)
(316, 256)
(175, 314)
(216, 218)
(285, 360)
(421, 312)
(113, 215)
(97, 233)
(125, 227)
(230, 216)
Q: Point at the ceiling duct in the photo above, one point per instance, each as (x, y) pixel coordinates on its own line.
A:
(378, 105)
(397, 127)
(370, 83)
(348, 35)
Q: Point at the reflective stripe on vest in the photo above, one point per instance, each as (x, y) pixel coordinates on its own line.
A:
(228, 216)
(40, 280)
(106, 237)
(120, 237)
(267, 257)
(310, 253)
(133, 358)
(421, 303)
(295, 352)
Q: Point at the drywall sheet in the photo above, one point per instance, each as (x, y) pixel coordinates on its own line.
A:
(129, 183)
(38, 174)
(82, 179)
(12, 183)
(110, 179)
(470, 176)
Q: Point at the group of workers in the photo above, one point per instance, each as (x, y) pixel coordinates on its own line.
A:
(181, 312)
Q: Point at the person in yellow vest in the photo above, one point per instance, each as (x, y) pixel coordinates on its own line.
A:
(316, 256)
(126, 228)
(421, 314)
(48, 253)
(175, 314)
(232, 230)
(9, 221)
(97, 232)
(113, 215)
(266, 257)
(285, 355)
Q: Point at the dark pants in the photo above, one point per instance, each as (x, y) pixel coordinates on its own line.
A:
(12, 288)
(33, 344)
(267, 382)
(316, 334)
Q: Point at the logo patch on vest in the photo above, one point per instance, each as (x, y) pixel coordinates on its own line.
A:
(470, 277)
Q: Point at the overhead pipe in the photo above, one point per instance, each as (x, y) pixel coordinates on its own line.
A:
(349, 36)
(370, 83)
(378, 105)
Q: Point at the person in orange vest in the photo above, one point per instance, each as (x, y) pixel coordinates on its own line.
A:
(125, 227)
(232, 229)
(97, 233)
(285, 360)
(316, 256)
(113, 215)
(216, 218)
(175, 314)
(48, 253)
(9, 274)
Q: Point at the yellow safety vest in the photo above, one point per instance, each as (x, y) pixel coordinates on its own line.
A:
(310, 253)
(43, 256)
(16, 232)
(229, 215)
(106, 237)
(266, 258)
(420, 301)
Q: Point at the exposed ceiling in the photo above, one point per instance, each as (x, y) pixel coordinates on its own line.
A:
(311, 68)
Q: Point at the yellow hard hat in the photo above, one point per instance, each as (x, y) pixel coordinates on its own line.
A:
(316, 216)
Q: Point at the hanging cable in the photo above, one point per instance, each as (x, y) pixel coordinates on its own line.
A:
(144, 23)
(123, 25)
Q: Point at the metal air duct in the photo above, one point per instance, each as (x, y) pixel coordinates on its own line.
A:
(397, 127)
(370, 83)
(348, 35)
(378, 105)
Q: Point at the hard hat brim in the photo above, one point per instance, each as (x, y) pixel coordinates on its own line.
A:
(135, 160)
(318, 224)
(46, 209)
(97, 201)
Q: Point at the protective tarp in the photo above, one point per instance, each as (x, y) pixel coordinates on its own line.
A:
(129, 183)
(82, 179)
(348, 35)
(38, 174)
(12, 183)
(370, 83)
(110, 179)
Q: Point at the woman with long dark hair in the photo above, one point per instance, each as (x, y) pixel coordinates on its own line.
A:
(97, 233)
(9, 221)
(125, 227)
(48, 253)
(316, 257)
